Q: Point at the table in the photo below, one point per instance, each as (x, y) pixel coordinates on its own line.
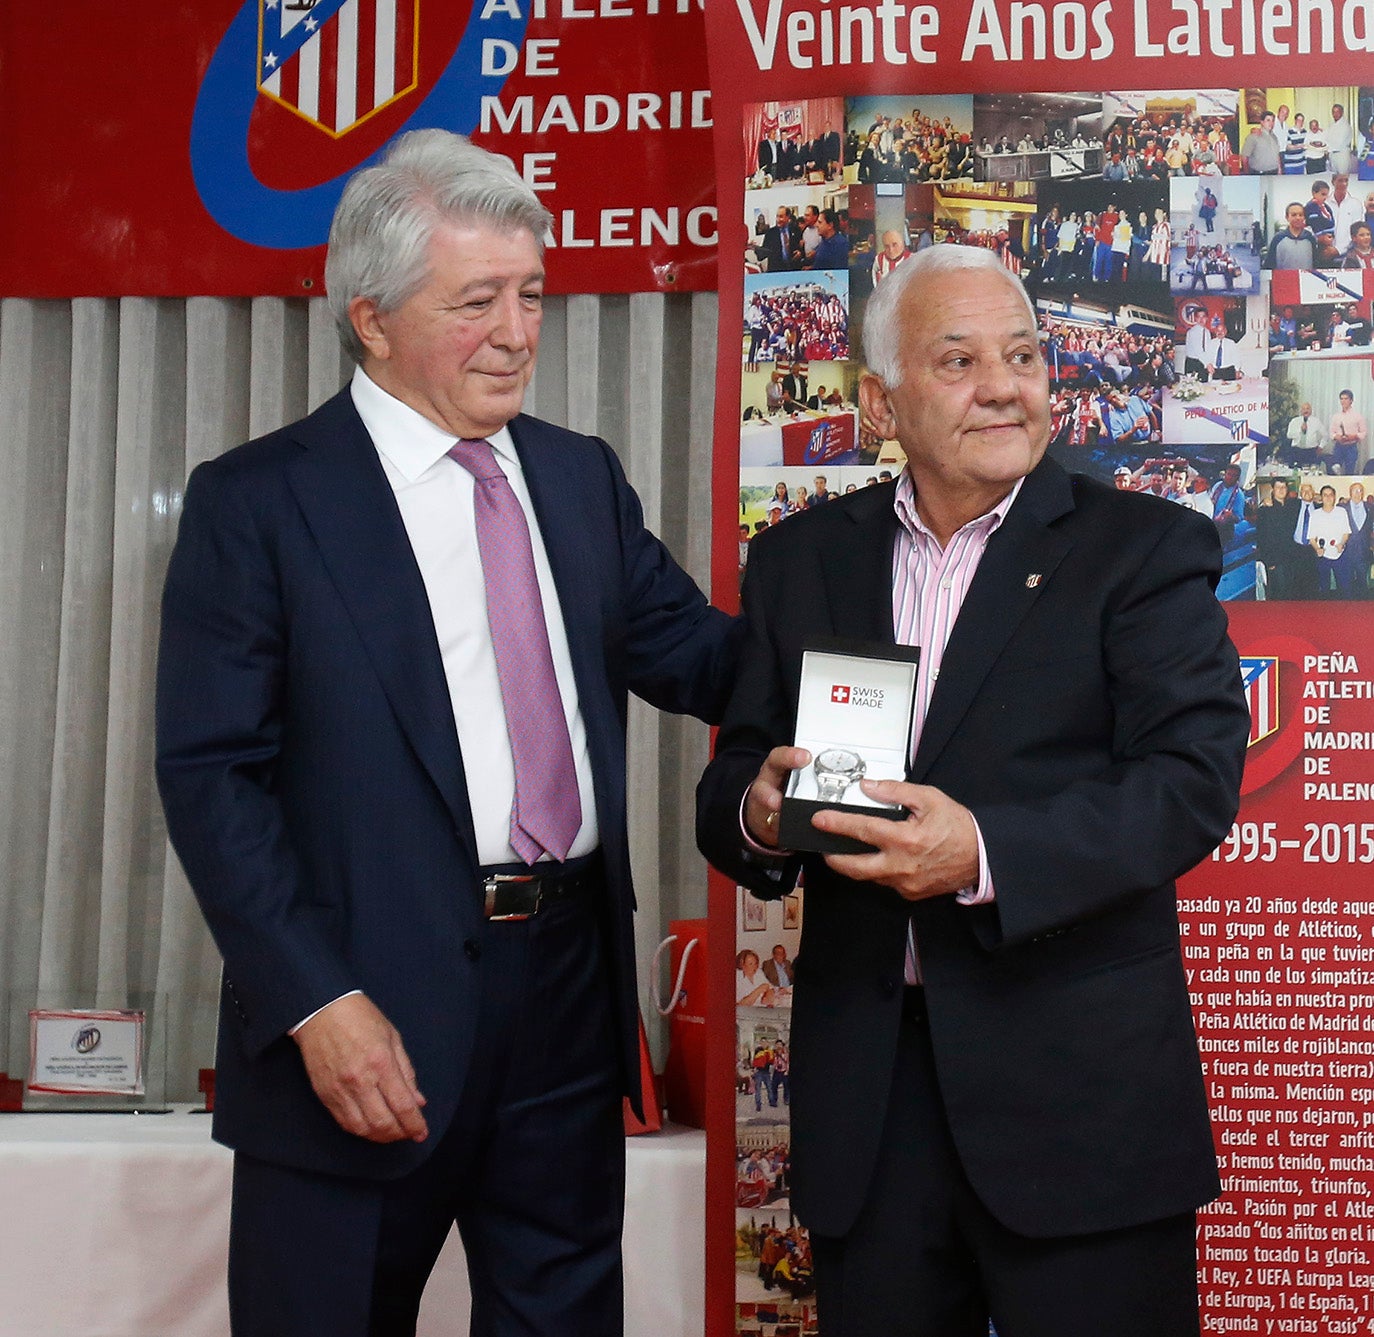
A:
(117, 1225)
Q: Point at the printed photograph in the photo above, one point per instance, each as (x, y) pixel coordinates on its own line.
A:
(763, 1157)
(1170, 132)
(763, 1075)
(1096, 345)
(771, 1318)
(1313, 222)
(764, 965)
(793, 141)
(1100, 234)
(1298, 131)
(1312, 535)
(1364, 124)
(794, 227)
(1222, 392)
(1217, 234)
(894, 140)
(1318, 411)
(774, 1268)
(768, 496)
(790, 317)
(1029, 136)
(1212, 480)
(827, 438)
(800, 414)
(1319, 311)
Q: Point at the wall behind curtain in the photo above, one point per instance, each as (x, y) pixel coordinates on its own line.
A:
(105, 407)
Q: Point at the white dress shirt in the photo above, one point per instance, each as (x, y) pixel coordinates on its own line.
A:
(434, 495)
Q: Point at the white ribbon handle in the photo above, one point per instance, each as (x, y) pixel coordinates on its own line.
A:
(681, 974)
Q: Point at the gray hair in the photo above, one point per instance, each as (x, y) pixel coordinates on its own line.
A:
(388, 213)
(882, 333)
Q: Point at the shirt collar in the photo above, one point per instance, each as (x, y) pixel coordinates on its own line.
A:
(904, 503)
(408, 440)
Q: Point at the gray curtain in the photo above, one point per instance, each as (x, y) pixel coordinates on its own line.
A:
(105, 407)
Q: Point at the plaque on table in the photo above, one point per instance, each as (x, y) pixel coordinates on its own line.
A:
(854, 712)
(86, 1052)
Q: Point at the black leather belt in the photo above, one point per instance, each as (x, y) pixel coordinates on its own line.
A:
(515, 895)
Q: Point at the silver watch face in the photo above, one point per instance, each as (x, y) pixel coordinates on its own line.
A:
(836, 769)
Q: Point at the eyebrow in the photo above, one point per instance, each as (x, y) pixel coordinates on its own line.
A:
(959, 336)
(495, 284)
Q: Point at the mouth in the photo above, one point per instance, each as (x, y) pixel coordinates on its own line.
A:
(508, 376)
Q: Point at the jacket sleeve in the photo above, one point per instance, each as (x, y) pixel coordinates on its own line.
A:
(757, 719)
(1171, 788)
(681, 652)
(221, 683)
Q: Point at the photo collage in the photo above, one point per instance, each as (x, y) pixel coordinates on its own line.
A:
(1199, 262)
(775, 1282)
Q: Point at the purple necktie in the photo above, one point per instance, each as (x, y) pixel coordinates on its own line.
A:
(548, 813)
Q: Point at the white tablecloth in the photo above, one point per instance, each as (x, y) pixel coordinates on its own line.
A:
(116, 1225)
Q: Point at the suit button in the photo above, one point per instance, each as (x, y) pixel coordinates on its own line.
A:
(472, 949)
(887, 986)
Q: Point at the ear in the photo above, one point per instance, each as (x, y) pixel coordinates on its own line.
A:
(370, 327)
(877, 407)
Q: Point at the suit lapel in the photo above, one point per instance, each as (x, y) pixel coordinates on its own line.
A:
(856, 570)
(1020, 560)
(352, 515)
(569, 535)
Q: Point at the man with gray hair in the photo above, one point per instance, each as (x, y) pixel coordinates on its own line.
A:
(997, 1106)
(398, 637)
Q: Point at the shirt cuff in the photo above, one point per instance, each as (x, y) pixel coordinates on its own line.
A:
(318, 1010)
(752, 845)
(981, 892)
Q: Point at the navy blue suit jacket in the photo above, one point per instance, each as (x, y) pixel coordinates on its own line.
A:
(310, 768)
(1089, 712)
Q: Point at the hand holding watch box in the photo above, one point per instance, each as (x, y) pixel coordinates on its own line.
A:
(854, 713)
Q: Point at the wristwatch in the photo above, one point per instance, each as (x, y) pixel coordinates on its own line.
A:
(836, 769)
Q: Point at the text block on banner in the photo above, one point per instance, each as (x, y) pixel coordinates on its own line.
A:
(218, 173)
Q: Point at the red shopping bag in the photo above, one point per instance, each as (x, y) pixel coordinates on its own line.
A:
(684, 1074)
(648, 1094)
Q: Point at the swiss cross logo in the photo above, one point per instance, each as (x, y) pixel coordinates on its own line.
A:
(839, 694)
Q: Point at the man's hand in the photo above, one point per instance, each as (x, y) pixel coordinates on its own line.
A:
(932, 853)
(763, 802)
(360, 1070)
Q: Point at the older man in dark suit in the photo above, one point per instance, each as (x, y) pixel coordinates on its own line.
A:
(397, 641)
(997, 1105)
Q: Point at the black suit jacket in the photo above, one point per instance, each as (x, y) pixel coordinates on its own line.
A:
(310, 768)
(1089, 712)
(778, 246)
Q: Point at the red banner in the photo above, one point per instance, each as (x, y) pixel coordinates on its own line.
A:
(1278, 946)
(1195, 351)
(202, 149)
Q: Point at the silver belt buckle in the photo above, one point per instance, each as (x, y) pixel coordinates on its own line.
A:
(512, 896)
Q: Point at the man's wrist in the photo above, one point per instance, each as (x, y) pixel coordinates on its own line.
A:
(296, 1028)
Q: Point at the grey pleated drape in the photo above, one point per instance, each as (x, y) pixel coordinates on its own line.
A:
(105, 407)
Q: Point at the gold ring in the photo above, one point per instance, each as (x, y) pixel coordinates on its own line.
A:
(771, 820)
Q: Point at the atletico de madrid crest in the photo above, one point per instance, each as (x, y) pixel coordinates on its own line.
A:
(1259, 674)
(337, 62)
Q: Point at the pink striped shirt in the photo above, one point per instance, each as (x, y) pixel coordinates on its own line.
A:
(928, 589)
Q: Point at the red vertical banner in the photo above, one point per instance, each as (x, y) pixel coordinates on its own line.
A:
(1278, 948)
(1205, 343)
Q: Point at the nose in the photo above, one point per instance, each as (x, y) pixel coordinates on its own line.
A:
(509, 329)
(997, 384)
